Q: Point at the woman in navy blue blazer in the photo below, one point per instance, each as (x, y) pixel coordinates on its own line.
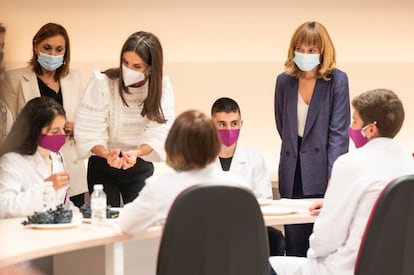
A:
(312, 112)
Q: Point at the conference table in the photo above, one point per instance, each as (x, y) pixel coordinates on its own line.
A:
(20, 243)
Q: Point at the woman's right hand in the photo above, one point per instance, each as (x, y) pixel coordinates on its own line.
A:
(114, 160)
(316, 207)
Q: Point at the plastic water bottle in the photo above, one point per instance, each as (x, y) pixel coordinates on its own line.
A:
(49, 196)
(98, 205)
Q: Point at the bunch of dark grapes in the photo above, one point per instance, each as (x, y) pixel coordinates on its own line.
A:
(87, 213)
(59, 215)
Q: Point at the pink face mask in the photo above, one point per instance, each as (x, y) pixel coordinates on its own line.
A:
(52, 142)
(357, 137)
(228, 136)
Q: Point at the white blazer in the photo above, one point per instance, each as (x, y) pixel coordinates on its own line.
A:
(22, 184)
(24, 85)
(155, 199)
(251, 166)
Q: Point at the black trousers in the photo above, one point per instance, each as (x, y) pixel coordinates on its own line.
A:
(78, 200)
(118, 182)
(276, 239)
(297, 235)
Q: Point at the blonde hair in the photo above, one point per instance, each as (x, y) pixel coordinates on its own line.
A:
(312, 34)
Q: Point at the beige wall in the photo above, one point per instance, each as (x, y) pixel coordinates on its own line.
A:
(235, 48)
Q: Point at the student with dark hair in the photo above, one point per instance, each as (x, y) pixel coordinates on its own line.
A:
(243, 161)
(30, 156)
(124, 118)
(235, 157)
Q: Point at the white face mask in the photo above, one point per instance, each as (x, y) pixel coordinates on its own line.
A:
(305, 61)
(131, 77)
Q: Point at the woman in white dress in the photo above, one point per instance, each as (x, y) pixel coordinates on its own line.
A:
(124, 118)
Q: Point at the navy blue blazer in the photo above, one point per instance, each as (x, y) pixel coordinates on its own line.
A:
(325, 136)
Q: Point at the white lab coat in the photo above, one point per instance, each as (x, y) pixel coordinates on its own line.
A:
(251, 166)
(22, 184)
(357, 179)
(25, 87)
(155, 199)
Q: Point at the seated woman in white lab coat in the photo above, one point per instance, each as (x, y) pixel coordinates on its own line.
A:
(192, 147)
(30, 156)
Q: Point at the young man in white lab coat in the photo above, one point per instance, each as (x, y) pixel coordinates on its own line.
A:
(358, 178)
(242, 160)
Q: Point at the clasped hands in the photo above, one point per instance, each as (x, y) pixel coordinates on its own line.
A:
(122, 159)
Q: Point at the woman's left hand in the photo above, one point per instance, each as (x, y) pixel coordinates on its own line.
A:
(129, 158)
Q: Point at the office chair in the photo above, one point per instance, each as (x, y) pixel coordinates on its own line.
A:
(214, 230)
(387, 246)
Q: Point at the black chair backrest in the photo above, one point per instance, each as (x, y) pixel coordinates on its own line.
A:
(387, 246)
(214, 230)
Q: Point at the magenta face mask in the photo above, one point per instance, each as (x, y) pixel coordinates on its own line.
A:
(228, 136)
(52, 142)
(357, 137)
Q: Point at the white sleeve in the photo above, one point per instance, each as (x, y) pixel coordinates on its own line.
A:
(156, 133)
(331, 228)
(91, 117)
(262, 183)
(141, 213)
(20, 193)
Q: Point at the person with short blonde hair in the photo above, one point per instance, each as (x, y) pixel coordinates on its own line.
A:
(312, 113)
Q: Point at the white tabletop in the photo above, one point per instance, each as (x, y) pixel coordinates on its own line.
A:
(19, 243)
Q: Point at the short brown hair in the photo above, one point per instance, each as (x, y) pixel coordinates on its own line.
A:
(312, 34)
(192, 142)
(383, 107)
(46, 31)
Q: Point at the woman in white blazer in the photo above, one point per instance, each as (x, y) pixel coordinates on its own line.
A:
(48, 74)
(192, 146)
(30, 156)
